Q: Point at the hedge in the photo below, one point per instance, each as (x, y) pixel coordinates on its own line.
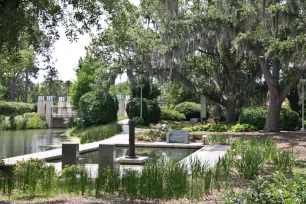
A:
(172, 115)
(189, 109)
(16, 108)
(98, 108)
(289, 120)
(150, 110)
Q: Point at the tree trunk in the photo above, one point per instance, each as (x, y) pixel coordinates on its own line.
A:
(13, 89)
(273, 118)
(293, 98)
(230, 108)
(26, 86)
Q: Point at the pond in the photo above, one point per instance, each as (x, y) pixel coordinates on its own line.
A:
(152, 153)
(20, 142)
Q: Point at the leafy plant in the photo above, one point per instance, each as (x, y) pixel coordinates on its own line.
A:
(98, 108)
(243, 128)
(167, 114)
(139, 121)
(218, 139)
(189, 109)
(150, 110)
(101, 132)
(283, 161)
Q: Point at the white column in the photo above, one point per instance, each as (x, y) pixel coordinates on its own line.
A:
(61, 105)
(49, 106)
(41, 106)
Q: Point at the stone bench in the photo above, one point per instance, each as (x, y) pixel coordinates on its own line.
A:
(177, 136)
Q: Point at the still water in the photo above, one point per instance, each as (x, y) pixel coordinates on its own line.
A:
(20, 142)
(152, 153)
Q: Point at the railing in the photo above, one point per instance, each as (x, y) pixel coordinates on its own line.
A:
(61, 112)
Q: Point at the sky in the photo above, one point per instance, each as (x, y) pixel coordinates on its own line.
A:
(67, 54)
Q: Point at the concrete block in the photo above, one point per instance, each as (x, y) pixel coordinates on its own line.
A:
(107, 154)
(71, 154)
(177, 136)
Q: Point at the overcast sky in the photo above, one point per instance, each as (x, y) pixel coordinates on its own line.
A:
(66, 55)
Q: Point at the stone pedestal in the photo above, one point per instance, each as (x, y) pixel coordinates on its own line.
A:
(107, 154)
(71, 154)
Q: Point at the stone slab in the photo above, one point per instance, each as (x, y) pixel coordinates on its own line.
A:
(138, 160)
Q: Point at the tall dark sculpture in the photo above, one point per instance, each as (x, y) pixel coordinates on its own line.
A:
(132, 125)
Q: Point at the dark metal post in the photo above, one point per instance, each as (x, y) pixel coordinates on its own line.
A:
(132, 125)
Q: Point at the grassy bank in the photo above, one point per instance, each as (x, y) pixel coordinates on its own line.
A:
(25, 121)
(97, 133)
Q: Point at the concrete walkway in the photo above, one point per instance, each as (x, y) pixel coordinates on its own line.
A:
(208, 156)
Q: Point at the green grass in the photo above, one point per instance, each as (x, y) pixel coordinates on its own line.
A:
(97, 133)
(122, 117)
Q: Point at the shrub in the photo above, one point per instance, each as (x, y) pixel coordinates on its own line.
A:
(289, 120)
(283, 161)
(101, 132)
(150, 110)
(139, 121)
(243, 128)
(150, 135)
(20, 122)
(218, 139)
(277, 189)
(254, 116)
(15, 108)
(36, 122)
(172, 115)
(251, 162)
(189, 109)
(98, 108)
(208, 127)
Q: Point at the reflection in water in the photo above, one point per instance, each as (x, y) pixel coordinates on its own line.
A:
(19, 142)
(152, 153)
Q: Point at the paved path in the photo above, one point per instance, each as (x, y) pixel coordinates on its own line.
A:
(207, 156)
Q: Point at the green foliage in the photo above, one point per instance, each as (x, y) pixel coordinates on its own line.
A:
(167, 114)
(26, 121)
(36, 122)
(277, 189)
(98, 133)
(176, 125)
(151, 135)
(289, 120)
(15, 108)
(208, 127)
(176, 93)
(139, 121)
(34, 176)
(122, 117)
(283, 161)
(150, 110)
(121, 88)
(255, 116)
(218, 139)
(149, 91)
(243, 128)
(85, 76)
(98, 108)
(189, 109)
(75, 179)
